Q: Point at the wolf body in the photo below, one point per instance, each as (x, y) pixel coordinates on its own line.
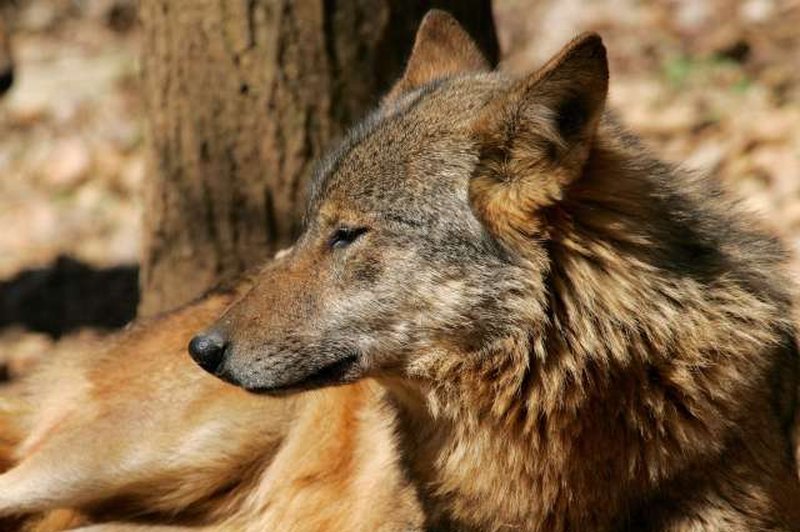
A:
(535, 323)
(578, 336)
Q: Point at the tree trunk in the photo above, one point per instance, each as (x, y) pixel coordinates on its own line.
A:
(242, 96)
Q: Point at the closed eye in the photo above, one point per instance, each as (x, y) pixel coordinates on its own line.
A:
(344, 236)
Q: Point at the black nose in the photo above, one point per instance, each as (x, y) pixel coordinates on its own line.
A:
(6, 80)
(208, 350)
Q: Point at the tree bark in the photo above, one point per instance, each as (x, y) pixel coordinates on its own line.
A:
(242, 96)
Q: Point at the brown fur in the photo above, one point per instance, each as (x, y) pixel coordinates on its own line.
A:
(549, 330)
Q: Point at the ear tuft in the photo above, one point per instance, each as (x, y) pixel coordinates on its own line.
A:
(442, 48)
(554, 112)
(536, 138)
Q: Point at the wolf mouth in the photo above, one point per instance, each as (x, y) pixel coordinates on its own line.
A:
(335, 373)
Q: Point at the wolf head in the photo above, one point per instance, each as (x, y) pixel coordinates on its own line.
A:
(427, 228)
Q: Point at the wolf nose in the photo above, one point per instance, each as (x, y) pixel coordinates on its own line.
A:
(208, 350)
(6, 79)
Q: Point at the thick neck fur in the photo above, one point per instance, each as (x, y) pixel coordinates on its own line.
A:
(649, 342)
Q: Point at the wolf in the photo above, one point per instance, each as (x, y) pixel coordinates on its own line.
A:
(534, 323)
(134, 436)
(577, 336)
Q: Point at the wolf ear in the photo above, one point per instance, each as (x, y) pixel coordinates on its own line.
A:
(442, 48)
(536, 136)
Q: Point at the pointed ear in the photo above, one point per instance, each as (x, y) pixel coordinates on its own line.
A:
(535, 138)
(442, 48)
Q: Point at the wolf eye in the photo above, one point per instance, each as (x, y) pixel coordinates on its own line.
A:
(344, 236)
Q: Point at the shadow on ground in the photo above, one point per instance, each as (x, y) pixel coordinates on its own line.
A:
(69, 295)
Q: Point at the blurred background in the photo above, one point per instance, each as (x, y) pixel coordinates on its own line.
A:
(713, 84)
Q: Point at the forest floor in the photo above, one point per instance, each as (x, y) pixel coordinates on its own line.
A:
(713, 85)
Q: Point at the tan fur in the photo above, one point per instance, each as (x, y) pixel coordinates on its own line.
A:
(106, 401)
(135, 431)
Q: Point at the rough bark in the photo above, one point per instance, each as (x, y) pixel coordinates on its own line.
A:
(242, 96)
